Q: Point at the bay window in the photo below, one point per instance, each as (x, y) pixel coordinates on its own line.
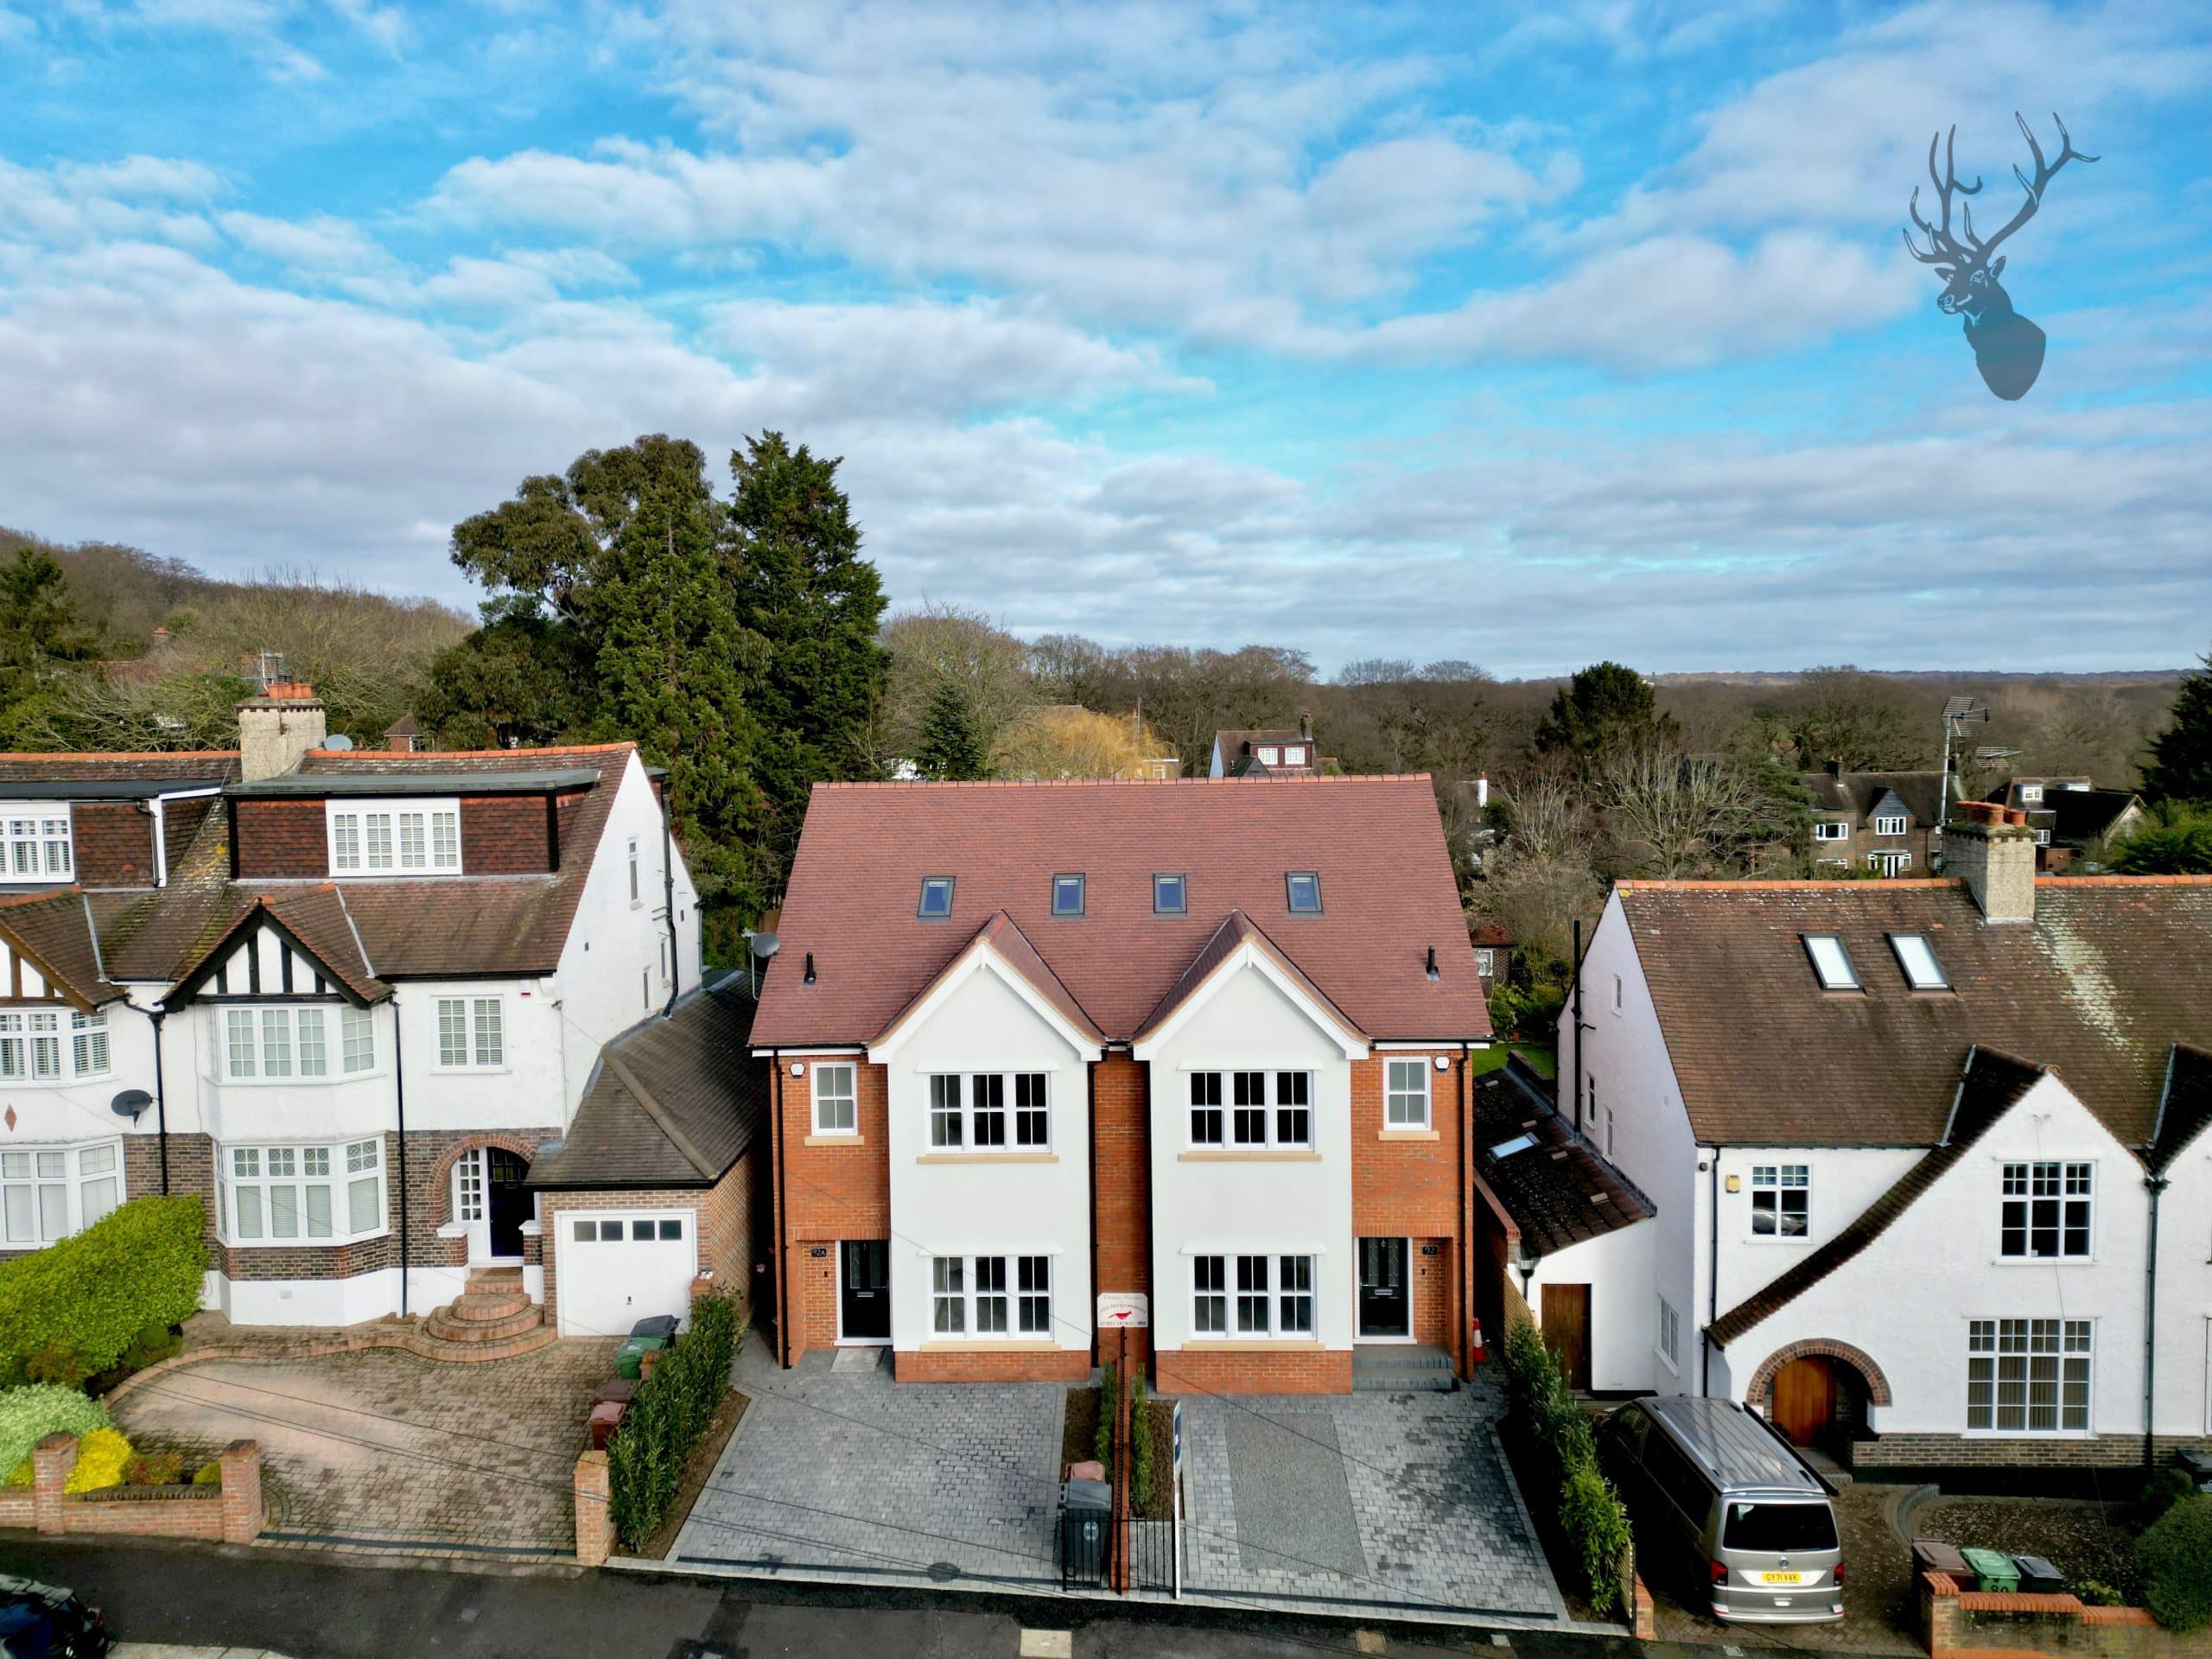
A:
(991, 1295)
(969, 1110)
(48, 1192)
(2028, 1376)
(266, 1044)
(395, 838)
(31, 1049)
(320, 1194)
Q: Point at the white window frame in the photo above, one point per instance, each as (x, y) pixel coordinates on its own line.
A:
(1269, 754)
(637, 887)
(1892, 824)
(1253, 1296)
(1890, 863)
(468, 1193)
(2031, 794)
(37, 844)
(2019, 1184)
(1486, 962)
(961, 1117)
(1670, 1335)
(250, 1175)
(480, 1026)
(2002, 1355)
(848, 1096)
(2042, 837)
(990, 1298)
(275, 1032)
(1776, 1184)
(1832, 969)
(1917, 961)
(39, 1047)
(1398, 1095)
(1293, 754)
(391, 839)
(1831, 829)
(35, 1176)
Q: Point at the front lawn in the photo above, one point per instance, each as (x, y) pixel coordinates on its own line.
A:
(1538, 1055)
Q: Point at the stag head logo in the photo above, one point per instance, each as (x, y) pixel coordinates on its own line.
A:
(2007, 348)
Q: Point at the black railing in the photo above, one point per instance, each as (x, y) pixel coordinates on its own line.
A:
(1152, 1556)
(1086, 1537)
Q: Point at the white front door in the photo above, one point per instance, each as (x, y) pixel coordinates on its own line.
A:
(612, 1269)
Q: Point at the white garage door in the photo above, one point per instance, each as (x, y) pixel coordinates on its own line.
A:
(612, 1270)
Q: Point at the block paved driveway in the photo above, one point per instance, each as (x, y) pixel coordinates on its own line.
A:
(1345, 1502)
(382, 1448)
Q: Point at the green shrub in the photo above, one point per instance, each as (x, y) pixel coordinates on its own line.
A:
(2161, 1492)
(57, 1363)
(672, 1408)
(28, 1416)
(102, 1456)
(1139, 1447)
(154, 1469)
(1596, 1523)
(1109, 1407)
(209, 1473)
(2174, 1558)
(2091, 1593)
(150, 1346)
(138, 1268)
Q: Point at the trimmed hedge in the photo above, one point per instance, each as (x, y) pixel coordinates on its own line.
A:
(645, 1461)
(84, 1301)
(29, 1415)
(1590, 1512)
(2174, 1558)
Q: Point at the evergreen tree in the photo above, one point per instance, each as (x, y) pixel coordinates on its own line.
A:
(2180, 767)
(1606, 707)
(952, 747)
(801, 586)
(43, 641)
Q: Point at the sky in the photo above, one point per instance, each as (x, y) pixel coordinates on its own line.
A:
(1525, 336)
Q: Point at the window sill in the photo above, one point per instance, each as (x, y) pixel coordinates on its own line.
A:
(852, 1138)
(1249, 1155)
(989, 1158)
(302, 1243)
(466, 1072)
(992, 1345)
(1254, 1345)
(1409, 1135)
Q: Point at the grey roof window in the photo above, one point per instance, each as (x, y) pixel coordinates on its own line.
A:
(1917, 957)
(936, 898)
(1169, 897)
(1831, 961)
(1067, 895)
(1304, 890)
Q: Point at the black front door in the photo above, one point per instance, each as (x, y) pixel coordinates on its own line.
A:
(506, 1200)
(864, 1289)
(1384, 1308)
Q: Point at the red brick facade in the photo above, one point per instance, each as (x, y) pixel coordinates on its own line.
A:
(839, 1187)
(1412, 1185)
(1120, 1177)
(1311, 1370)
(114, 844)
(1031, 1365)
(728, 1215)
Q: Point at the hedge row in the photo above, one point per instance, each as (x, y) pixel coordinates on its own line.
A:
(82, 1302)
(1591, 1513)
(644, 1462)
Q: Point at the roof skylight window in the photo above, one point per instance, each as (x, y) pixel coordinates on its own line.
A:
(936, 898)
(1917, 957)
(1169, 897)
(1304, 888)
(1067, 895)
(1831, 961)
(1518, 1143)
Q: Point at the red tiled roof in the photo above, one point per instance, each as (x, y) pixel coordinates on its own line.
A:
(1388, 896)
(1014, 948)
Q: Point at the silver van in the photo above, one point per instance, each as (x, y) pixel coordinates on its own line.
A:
(1727, 1507)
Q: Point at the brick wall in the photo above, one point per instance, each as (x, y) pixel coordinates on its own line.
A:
(192, 1172)
(835, 1189)
(114, 844)
(504, 834)
(1414, 1188)
(1954, 1621)
(1306, 1372)
(728, 1214)
(2027, 1451)
(281, 838)
(1121, 1175)
(229, 1514)
(1033, 1365)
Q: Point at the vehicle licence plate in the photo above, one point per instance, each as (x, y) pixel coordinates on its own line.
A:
(1782, 1578)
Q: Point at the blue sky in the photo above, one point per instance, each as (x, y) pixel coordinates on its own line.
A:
(1522, 335)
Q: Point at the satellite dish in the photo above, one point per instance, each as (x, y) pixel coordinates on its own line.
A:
(338, 740)
(131, 1103)
(765, 945)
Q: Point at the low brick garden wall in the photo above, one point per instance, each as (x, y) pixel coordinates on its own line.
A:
(1955, 1621)
(231, 1513)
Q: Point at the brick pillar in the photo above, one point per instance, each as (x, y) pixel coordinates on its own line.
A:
(1120, 1177)
(595, 1520)
(1939, 1612)
(242, 1511)
(647, 1361)
(52, 1459)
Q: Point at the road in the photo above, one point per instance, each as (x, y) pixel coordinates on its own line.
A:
(329, 1607)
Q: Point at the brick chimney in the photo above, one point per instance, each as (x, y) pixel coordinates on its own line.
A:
(1306, 723)
(279, 727)
(1992, 849)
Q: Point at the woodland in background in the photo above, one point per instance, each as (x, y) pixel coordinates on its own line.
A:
(742, 640)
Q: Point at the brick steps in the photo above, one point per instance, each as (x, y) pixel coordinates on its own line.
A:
(494, 1312)
(1402, 1370)
(448, 1324)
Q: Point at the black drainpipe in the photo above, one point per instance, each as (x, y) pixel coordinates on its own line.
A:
(2156, 1186)
(668, 889)
(782, 1212)
(161, 1099)
(1578, 1026)
(1712, 1276)
(399, 1095)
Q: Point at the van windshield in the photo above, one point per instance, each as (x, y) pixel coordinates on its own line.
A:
(1773, 1528)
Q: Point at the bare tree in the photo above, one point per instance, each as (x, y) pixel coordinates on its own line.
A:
(1671, 814)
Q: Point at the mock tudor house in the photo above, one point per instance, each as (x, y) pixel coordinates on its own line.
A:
(1932, 1160)
(348, 997)
(1891, 823)
(1203, 1044)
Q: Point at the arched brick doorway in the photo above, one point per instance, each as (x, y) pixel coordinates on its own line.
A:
(1817, 1392)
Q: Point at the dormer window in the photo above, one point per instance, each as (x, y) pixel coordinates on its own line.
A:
(1169, 897)
(395, 838)
(35, 843)
(1304, 890)
(1917, 957)
(1294, 755)
(1067, 895)
(1892, 824)
(2030, 793)
(1831, 961)
(936, 898)
(1269, 753)
(1831, 829)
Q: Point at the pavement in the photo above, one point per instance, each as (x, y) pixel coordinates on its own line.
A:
(1381, 1503)
(386, 1451)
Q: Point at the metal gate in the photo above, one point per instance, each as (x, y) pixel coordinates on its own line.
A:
(1085, 1537)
